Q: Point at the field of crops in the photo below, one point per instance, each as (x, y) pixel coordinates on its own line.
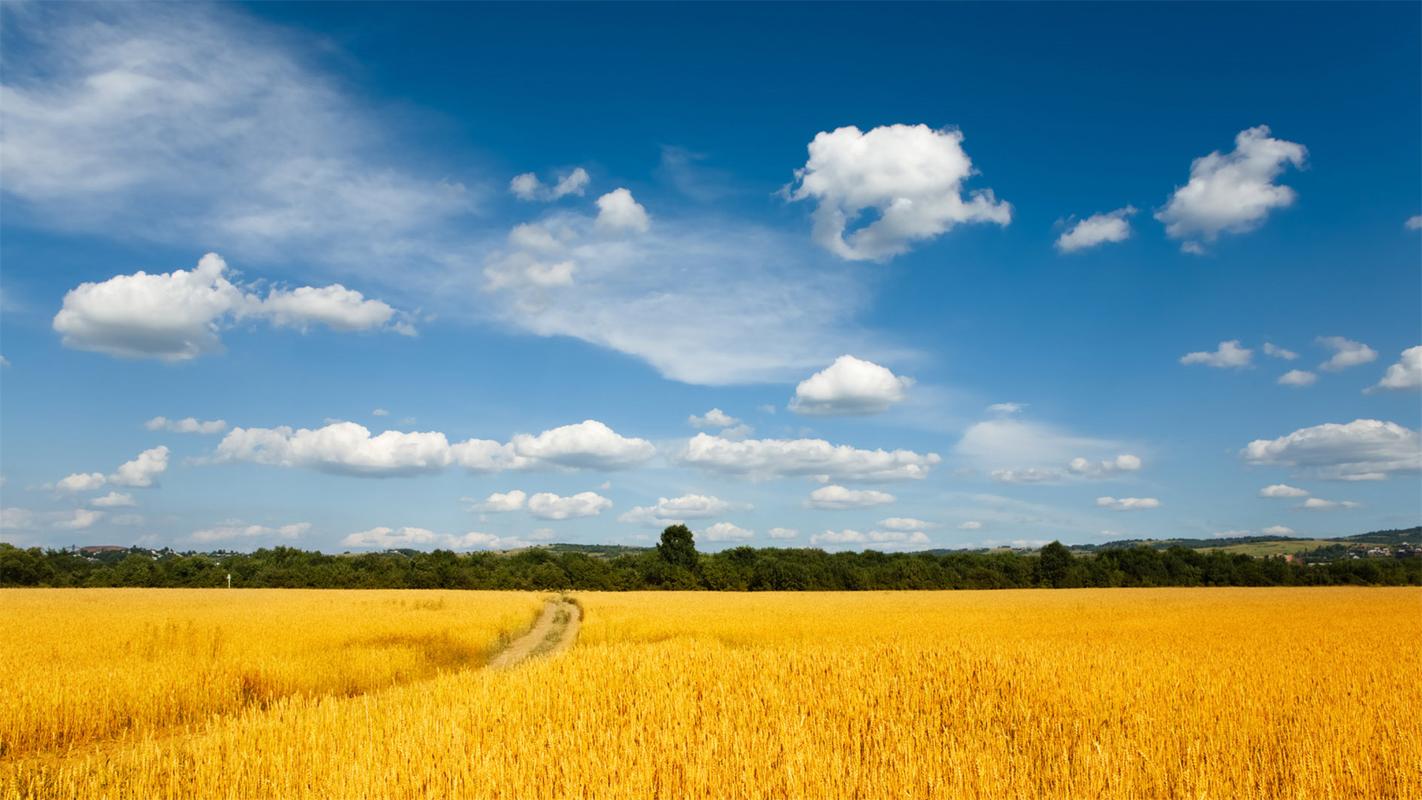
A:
(1221, 693)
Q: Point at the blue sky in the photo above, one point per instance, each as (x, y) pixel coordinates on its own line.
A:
(476, 268)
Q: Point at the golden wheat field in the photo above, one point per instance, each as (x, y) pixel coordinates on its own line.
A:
(1198, 693)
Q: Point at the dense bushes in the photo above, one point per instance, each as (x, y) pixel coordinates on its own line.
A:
(737, 569)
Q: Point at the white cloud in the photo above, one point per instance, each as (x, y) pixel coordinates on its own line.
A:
(905, 524)
(1319, 504)
(1013, 450)
(1027, 475)
(1278, 530)
(81, 482)
(183, 123)
(1346, 353)
(1233, 192)
(838, 497)
(379, 412)
(1127, 503)
(143, 469)
(176, 316)
(1124, 462)
(342, 447)
(1006, 408)
(727, 532)
(546, 505)
(1271, 349)
(1282, 490)
(618, 211)
(114, 500)
(186, 425)
(772, 458)
(76, 520)
(1364, 449)
(881, 540)
(1405, 374)
(849, 386)
(715, 418)
(23, 519)
(528, 187)
(1097, 229)
(390, 539)
(589, 444)
(1298, 378)
(784, 533)
(910, 176)
(227, 533)
(504, 501)
(970, 525)
(677, 509)
(1413, 223)
(1229, 355)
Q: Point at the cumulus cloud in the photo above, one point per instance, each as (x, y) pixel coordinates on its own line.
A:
(715, 418)
(618, 211)
(143, 469)
(1282, 490)
(1229, 355)
(1364, 449)
(970, 525)
(1413, 223)
(114, 500)
(504, 501)
(849, 386)
(910, 177)
(838, 497)
(905, 524)
(589, 444)
(1319, 504)
(727, 532)
(528, 187)
(879, 540)
(1346, 353)
(1275, 351)
(1127, 503)
(178, 315)
(24, 519)
(1232, 192)
(783, 533)
(1124, 462)
(76, 520)
(81, 482)
(1097, 229)
(773, 458)
(385, 538)
(1278, 530)
(678, 509)
(1405, 374)
(546, 505)
(235, 532)
(186, 425)
(1298, 378)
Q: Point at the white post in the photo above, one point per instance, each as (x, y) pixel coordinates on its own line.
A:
(229, 580)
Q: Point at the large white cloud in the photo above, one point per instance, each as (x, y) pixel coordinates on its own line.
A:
(849, 386)
(838, 497)
(910, 176)
(1364, 449)
(619, 211)
(350, 448)
(588, 444)
(678, 509)
(497, 502)
(1346, 353)
(1232, 192)
(546, 505)
(1405, 374)
(186, 425)
(1097, 229)
(1229, 355)
(143, 469)
(772, 458)
(179, 315)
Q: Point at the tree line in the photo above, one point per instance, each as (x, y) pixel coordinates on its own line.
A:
(676, 564)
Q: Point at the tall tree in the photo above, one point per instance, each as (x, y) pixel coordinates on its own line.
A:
(678, 547)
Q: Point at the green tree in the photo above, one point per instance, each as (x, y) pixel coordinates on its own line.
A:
(678, 547)
(1053, 564)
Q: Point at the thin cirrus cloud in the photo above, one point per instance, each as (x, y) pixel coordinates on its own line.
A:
(850, 386)
(238, 532)
(909, 176)
(1229, 355)
(1364, 449)
(176, 316)
(349, 448)
(1096, 230)
(1274, 351)
(387, 538)
(1232, 192)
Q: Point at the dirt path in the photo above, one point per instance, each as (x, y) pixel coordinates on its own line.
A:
(554, 632)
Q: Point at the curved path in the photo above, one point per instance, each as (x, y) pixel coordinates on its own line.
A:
(554, 632)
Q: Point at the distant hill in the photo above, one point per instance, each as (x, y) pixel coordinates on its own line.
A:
(1264, 545)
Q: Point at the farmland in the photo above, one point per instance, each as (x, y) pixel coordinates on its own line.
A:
(1276, 692)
